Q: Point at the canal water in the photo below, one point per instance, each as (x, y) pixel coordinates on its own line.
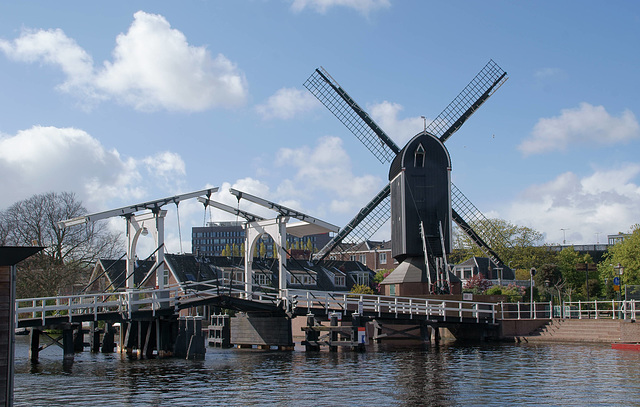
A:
(451, 375)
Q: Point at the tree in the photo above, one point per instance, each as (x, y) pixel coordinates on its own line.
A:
(549, 275)
(625, 253)
(523, 250)
(69, 253)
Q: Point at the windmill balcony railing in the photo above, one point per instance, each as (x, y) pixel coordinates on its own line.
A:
(446, 310)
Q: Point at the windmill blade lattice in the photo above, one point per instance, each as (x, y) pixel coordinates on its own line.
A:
(336, 99)
(485, 83)
(367, 222)
(485, 234)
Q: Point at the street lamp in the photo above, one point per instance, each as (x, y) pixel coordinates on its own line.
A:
(532, 273)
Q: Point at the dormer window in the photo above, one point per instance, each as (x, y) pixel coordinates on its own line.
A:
(419, 157)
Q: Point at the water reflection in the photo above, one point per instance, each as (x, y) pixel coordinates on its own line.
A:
(487, 374)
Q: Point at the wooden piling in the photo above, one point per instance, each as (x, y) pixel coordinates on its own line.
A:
(311, 336)
(108, 339)
(333, 322)
(34, 348)
(67, 343)
(78, 339)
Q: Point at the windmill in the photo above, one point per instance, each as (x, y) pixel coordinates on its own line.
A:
(419, 197)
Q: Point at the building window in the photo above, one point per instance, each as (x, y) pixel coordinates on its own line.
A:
(382, 258)
(339, 281)
(419, 157)
(352, 257)
(467, 273)
(362, 278)
(261, 279)
(363, 259)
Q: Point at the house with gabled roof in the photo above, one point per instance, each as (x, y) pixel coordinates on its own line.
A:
(484, 266)
(110, 275)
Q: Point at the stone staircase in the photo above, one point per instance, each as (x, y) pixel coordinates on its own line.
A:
(577, 330)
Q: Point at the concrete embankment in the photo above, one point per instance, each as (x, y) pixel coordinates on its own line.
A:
(580, 330)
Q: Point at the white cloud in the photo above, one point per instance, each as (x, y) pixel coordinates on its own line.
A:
(166, 165)
(286, 103)
(42, 159)
(326, 170)
(604, 202)
(585, 125)
(154, 67)
(400, 130)
(321, 6)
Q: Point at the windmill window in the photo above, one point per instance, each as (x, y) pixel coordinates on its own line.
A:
(419, 157)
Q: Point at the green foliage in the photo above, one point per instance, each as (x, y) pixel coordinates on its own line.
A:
(381, 275)
(361, 289)
(627, 254)
(513, 292)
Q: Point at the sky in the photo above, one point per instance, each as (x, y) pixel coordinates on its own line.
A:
(127, 102)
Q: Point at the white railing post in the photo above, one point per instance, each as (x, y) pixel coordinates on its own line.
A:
(395, 306)
(518, 309)
(579, 309)
(410, 309)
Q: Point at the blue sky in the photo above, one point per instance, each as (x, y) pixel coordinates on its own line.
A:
(127, 102)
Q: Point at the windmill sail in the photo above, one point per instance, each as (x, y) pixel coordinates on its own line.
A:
(336, 99)
(466, 214)
(367, 222)
(485, 83)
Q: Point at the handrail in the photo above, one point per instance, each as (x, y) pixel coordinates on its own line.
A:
(608, 309)
(449, 310)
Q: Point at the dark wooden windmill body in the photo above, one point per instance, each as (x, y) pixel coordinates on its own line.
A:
(420, 197)
(420, 179)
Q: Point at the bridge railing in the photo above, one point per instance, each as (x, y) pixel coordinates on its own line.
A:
(446, 310)
(525, 310)
(610, 309)
(70, 306)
